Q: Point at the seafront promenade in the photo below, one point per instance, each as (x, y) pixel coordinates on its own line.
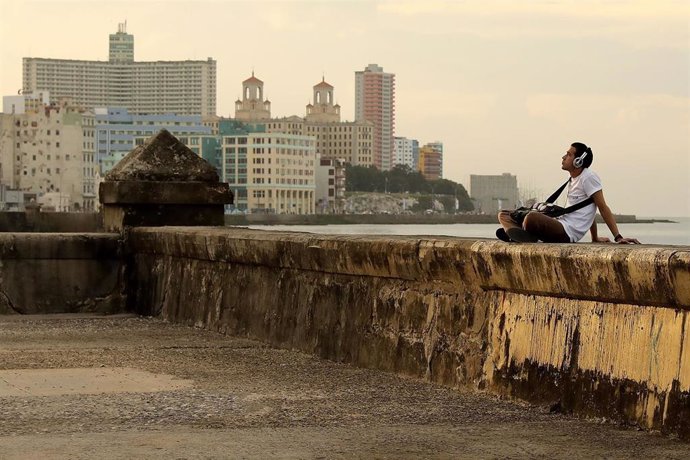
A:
(82, 386)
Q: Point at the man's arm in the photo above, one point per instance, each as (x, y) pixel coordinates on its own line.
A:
(607, 215)
(595, 238)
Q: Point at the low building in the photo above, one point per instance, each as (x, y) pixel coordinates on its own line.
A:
(330, 185)
(491, 193)
(118, 131)
(51, 150)
(19, 104)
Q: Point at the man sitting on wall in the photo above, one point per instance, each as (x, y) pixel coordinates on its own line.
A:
(570, 227)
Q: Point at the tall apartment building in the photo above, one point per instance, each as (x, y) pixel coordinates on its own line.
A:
(270, 172)
(375, 101)
(404, 152)
(117, 132)
(335, 139)
(492, 193)
(50, 152)
(157, 87)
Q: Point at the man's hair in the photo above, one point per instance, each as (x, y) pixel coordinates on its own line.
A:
(581, 148)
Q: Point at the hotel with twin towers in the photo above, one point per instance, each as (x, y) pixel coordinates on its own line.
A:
(188, 87)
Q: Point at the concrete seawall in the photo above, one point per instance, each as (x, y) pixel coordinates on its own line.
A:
(54, 222)
(60, 273)
(594, 329)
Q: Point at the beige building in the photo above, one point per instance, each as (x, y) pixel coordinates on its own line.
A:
(252, 106)
(492, 193)
(51, 152)
(270, 172)
(335, 139)
(155, 87)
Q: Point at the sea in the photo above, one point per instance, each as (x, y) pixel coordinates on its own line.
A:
(675, 233)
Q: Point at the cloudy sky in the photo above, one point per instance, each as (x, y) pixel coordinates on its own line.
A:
(506, 85)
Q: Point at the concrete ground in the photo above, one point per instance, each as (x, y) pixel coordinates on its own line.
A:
(197, 394)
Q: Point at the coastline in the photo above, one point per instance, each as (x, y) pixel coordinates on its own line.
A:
(391, 219)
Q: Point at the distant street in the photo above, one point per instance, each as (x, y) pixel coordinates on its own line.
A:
(130, 387)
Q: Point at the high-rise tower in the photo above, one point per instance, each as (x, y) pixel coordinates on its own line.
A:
(375, 102)
(121, 47)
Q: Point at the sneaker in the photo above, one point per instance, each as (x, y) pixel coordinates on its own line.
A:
(521, 236)
(502, 235)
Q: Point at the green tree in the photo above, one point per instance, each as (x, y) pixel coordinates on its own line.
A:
(401, 179)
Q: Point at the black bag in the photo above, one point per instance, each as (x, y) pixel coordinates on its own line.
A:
(548, 208)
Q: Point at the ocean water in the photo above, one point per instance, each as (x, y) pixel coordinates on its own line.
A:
(677, 233)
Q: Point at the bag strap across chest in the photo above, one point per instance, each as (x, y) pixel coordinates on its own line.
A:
(562, 211)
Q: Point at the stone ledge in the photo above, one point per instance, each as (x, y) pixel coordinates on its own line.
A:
(152, 192)
(612, 273)
(56, 246)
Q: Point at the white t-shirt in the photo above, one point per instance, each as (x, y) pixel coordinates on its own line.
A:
(577, 223)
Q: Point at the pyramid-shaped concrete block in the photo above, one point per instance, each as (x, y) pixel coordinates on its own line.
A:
(162, 182)
(163, 158)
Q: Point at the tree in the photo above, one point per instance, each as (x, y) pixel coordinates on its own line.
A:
(401, 179)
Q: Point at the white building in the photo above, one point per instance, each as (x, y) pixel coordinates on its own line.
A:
(157, 87)
(25, 101)
(270, 172)
(330, 185)
(403, 152)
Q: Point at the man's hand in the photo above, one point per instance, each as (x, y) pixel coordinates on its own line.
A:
(627, 241)
(601, 239)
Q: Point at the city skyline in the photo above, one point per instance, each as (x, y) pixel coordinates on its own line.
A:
(506, 87)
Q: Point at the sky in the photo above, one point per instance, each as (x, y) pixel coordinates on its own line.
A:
(507, 86)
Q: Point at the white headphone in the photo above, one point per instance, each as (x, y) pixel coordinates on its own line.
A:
(579, 161)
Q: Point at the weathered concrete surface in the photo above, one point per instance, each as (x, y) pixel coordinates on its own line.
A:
(162, 182)
(84, 381)
(250, 401)
(57, 273)
(595, 329)
(55, 222)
